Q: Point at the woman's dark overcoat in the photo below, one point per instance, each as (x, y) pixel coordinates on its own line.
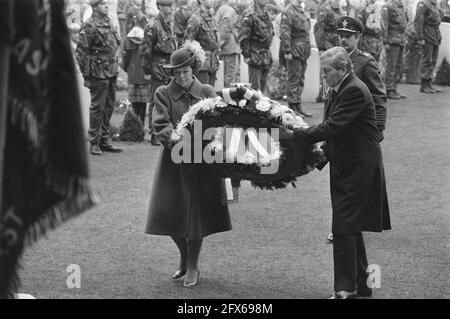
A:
(183, 202)
(357, 182)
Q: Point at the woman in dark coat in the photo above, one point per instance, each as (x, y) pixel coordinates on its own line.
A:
(357, 182)
(184, 204)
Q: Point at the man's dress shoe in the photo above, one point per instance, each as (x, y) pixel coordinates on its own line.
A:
(342, 294)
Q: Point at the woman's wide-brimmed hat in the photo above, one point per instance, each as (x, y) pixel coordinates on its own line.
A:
(181, 58)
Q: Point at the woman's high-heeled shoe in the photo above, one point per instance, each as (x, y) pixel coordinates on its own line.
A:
(178, 274)
(192, 283)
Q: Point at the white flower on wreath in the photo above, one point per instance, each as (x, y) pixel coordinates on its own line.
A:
(288, 119)
(263, 105)
(175, 136)
(242, 103)
(299, 122)
(207, 105)
(278, 110)
(220, 102)
(187, 119)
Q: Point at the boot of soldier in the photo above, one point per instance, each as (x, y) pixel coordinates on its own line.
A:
(433, 88)
(424, 88)
(399, 94)
(303, 113)
(391, 94)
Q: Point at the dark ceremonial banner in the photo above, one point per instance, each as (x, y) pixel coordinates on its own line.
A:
(46, 176)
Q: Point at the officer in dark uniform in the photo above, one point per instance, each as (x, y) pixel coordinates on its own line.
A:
(203, 29)
(365, 67)
(296, 48)
(159, 43)
(255, 37)
(370, 41)
(426, 23)
(393, 23)
(97, 56)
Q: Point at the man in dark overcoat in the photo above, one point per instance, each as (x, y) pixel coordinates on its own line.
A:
(357, 182)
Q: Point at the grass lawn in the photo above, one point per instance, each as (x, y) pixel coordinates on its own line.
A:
(277, 248)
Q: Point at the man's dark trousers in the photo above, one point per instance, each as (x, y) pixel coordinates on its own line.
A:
(103, 97)
(428, 60)
(394, 58)
(350, 262)
(258, 77)
(296, 77)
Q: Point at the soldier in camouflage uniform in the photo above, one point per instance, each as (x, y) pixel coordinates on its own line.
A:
(326, 25)
(159, 43)
(203, 29)
(255, 37)
(370, 41)
(393, 24)
(230, 52)
(296, 48)
(325, 30)
(97, 57)
(426, 23)
(182, 15)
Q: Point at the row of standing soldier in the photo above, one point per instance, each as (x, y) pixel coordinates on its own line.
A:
(99, 42)
(391, 31)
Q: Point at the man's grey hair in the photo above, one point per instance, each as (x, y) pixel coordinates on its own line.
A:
(339, 58)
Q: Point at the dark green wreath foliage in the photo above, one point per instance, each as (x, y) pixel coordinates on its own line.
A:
(132, 129)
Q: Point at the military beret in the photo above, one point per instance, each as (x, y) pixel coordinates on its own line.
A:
(165, 2)
(94, 2)
(349, 24)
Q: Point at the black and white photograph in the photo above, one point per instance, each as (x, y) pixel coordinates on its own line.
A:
(224, 155)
